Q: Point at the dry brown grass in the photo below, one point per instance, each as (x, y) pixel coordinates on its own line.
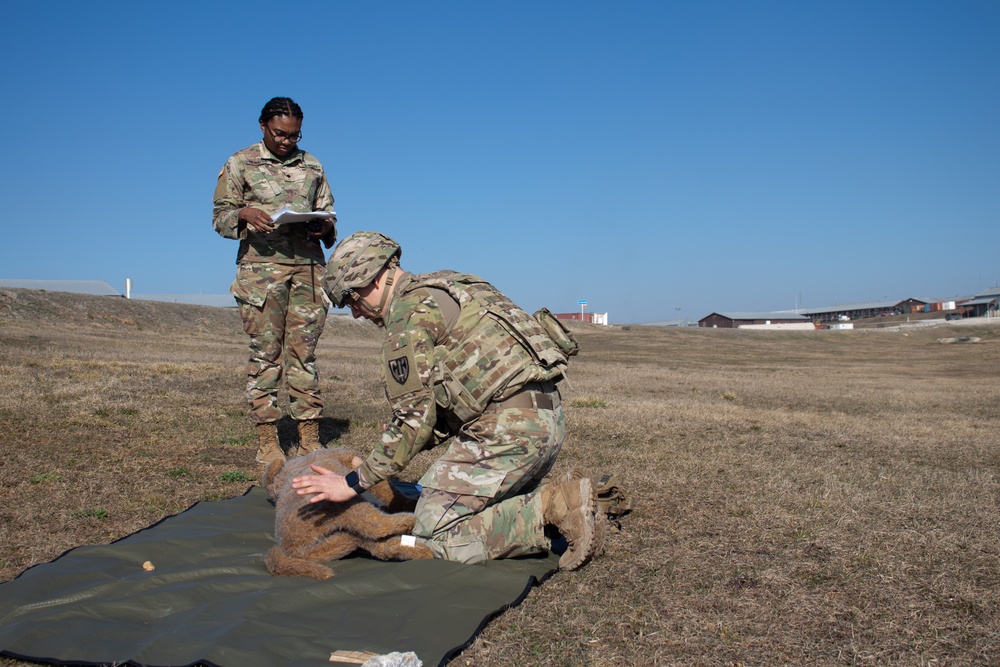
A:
(822, 498)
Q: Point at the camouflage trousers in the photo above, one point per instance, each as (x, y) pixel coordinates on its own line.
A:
(284, 310)
(480, 499)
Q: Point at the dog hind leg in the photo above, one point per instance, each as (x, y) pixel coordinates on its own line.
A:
(280, 563)
(332, 547)
(392, 548)
(370, 522)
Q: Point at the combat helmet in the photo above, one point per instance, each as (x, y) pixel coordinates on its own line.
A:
(355, 262)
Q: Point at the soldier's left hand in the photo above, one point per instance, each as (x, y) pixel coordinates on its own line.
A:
(326, 484)
(320, 227)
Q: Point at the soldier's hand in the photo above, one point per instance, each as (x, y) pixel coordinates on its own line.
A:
(320, 227)
(256, 219)
(326, 484)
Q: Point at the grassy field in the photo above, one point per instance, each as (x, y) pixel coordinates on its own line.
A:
(800, 498)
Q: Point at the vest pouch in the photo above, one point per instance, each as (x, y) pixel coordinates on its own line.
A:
(462, 403)
(557, 331)
(532, 337)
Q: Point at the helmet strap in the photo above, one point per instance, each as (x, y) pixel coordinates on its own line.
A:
(390, 276)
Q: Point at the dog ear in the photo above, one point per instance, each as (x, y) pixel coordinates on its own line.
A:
(270, 475)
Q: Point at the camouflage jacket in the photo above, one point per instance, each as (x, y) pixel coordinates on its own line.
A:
(255, 177)
(454, 344)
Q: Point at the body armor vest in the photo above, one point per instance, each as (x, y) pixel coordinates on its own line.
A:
(492, 343)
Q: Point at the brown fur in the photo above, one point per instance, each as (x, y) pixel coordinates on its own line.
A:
(307, 534)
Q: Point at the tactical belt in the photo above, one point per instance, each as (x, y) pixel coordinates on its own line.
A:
(532, 396)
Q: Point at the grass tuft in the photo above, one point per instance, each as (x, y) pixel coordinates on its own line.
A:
(47, 477)
(587, 403)
(236, 476)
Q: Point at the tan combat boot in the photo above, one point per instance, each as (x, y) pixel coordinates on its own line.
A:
(612, 501)
(308, 436)
(570, 507)
(268, 448)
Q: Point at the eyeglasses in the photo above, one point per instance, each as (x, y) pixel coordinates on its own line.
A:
(278, 135)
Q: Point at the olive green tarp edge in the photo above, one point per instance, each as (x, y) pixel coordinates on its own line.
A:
(210, 601)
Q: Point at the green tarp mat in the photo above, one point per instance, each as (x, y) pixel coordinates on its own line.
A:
(210, 600)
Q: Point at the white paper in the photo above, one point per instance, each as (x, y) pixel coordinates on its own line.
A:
(286, 215)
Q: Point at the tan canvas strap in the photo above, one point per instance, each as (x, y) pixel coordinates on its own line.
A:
(533, 396)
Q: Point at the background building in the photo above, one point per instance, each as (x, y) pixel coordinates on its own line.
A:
(592, 318)
(737, 320)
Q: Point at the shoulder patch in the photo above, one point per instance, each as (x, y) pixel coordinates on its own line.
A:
(399, 368)
(400, 372)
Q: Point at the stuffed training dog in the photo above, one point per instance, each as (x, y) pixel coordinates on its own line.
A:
(307, 534)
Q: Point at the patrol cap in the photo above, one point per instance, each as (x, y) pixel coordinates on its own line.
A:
(355, 262)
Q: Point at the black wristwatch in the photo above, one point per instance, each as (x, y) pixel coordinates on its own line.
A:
(354, 481)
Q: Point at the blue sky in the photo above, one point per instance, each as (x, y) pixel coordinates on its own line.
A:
(654, 158)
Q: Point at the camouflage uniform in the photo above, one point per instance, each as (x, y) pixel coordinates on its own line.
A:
(279, 278)
(463, 364)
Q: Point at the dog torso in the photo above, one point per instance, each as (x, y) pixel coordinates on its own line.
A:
(308, 534)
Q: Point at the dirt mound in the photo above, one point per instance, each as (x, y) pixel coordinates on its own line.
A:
(115, 312)
(84, 310)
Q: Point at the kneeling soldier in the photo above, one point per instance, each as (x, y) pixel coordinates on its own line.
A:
(463, 365)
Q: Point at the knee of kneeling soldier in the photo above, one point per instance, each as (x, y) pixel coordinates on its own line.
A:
(448, 544)
(470, 550)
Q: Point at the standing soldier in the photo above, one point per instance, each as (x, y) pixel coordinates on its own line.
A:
(280, 270)
(463, 364)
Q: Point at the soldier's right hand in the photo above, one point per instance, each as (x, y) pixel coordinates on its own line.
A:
(256, 219)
